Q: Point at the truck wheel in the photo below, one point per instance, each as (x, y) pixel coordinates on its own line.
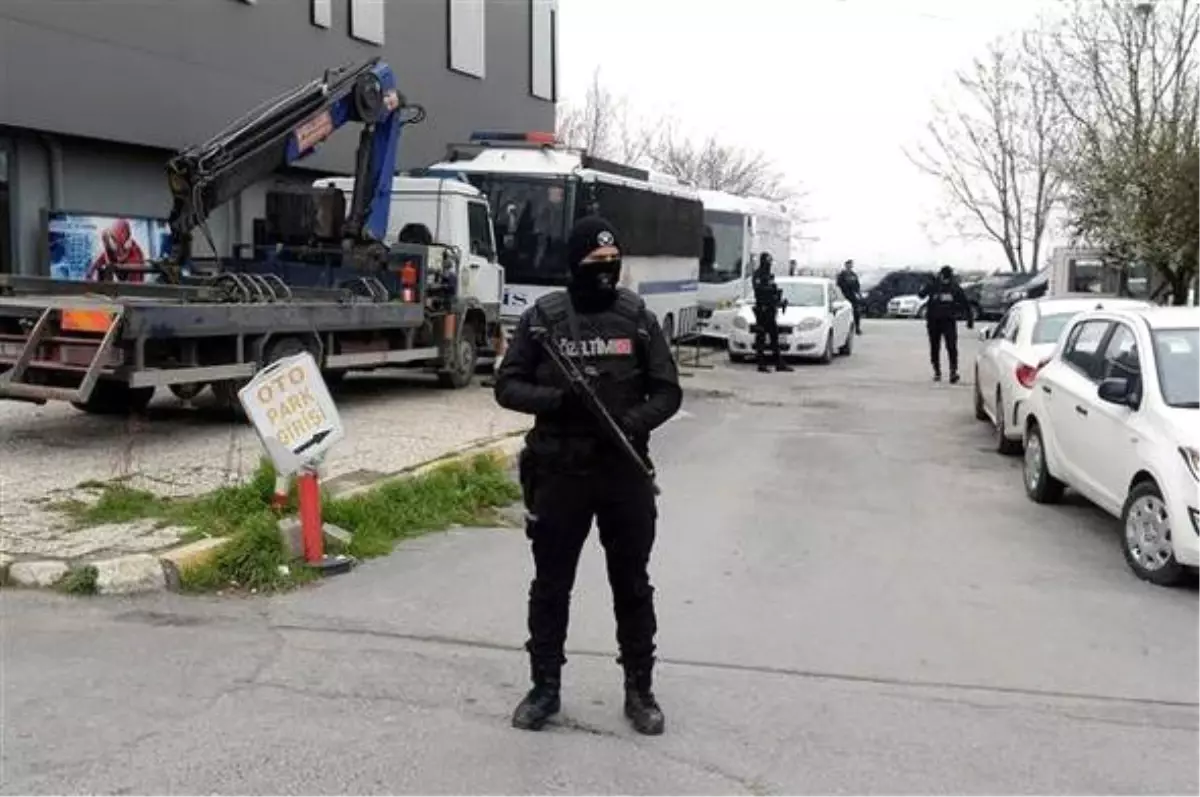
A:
(226, 390)
(187, 392)
(115, 398)
(463, 363)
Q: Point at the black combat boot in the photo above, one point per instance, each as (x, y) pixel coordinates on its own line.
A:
(954, 377)
(541, 703)
(937, 376)
(782, 366)
(640, 706)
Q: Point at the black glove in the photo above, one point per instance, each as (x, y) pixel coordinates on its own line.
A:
(970, 323)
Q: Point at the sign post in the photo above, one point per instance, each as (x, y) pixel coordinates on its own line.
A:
(290, 407)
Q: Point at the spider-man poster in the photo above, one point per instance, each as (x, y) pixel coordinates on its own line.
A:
(91, 247)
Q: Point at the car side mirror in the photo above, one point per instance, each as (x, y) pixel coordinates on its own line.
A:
(1116, 390)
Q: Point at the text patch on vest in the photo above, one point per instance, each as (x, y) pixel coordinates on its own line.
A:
(596, 347)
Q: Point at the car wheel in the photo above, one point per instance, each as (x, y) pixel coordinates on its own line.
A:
(736, 358)
(1003, 444)
(921, 312)
(1040, 486)
(827, 356)
(848, 347)
(980, 410)
(1146, 541)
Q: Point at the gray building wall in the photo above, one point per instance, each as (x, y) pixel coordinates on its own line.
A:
(100, 75)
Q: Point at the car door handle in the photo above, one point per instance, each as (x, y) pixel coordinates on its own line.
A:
(1081, 410)
(1046, 389)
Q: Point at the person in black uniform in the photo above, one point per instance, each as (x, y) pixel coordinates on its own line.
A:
(768, 300)
(946, 301)
(571, 473)
(847, 282)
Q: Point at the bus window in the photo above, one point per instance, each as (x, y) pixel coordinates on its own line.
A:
(531, 218)
(728, 236)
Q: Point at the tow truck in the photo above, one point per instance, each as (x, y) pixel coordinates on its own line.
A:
(331, 272)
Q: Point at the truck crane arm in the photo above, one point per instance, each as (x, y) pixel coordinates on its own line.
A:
(287, 129)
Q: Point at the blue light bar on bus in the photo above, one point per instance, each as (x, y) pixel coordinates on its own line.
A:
(529, 138)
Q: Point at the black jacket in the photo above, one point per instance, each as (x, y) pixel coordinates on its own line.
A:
(767, 295)
(635, 377)
(848, 282)
(947, 301)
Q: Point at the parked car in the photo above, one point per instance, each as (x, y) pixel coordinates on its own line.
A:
(902, 282)
(993, 290)
(817, 321)
(1034, 288)
(1012, 352)
(912, 306)
(1115, 415)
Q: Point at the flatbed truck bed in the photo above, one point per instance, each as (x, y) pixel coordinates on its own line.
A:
(106, 347)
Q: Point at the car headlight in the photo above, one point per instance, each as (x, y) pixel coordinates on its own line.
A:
(1191, 458)
(809, 323)
(740, 322)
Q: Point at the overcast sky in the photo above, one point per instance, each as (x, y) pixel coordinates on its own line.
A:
(830, 89)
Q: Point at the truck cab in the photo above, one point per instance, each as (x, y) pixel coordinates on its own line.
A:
(448, 214)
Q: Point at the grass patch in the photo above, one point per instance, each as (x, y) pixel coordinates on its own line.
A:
(79, 581)
(462, 492)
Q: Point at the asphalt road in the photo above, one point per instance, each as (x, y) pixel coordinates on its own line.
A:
(855, 597)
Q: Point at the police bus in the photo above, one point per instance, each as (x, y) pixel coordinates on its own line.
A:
(736, 230)
(538, 189)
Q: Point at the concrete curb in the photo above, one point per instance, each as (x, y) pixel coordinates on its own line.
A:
(143, 572)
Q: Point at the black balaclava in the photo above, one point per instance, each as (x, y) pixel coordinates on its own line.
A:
(764, 262)
(946, 273)
(593, 285)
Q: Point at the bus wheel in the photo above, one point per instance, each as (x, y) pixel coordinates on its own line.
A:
(668, 327)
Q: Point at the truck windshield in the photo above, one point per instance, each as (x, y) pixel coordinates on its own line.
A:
(722, 261)
(1177, 355)
(531, 217)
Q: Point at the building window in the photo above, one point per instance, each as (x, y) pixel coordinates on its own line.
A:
(543, 55)
(467, 35)
(322, 13)
(366, 20)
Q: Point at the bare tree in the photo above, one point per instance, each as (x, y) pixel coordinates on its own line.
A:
(1127, 75)
(718, 165)
(994, 147)
(604, 125)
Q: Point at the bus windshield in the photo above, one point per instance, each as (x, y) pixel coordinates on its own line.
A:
(531, 218)
(722, 261)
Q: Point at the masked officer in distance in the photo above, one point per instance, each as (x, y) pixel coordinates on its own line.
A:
(946, 301)
(847, 282)
(571, 473)
(768, 301)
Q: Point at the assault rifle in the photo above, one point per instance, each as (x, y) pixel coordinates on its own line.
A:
(581, 387)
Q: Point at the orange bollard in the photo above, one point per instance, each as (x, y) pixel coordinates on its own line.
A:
(311, 529)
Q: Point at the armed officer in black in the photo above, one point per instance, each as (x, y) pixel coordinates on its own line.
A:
(847, 282)
(768, 301)
(947, 301)
(571, 473)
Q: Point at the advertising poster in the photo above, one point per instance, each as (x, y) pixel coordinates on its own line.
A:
(84, 247)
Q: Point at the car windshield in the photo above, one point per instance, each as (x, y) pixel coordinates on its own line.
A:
(1177, 357)
(803, 294)
(1049, 327)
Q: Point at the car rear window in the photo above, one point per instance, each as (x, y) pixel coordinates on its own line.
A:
(1049, 327)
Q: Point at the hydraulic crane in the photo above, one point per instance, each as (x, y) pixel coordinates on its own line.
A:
(288, 129)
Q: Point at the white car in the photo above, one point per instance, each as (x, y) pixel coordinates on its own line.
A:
(1013, 349)
(1115, 415)
(907, 306)
(817, 321)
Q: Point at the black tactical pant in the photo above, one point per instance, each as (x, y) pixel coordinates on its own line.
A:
(857, 307)
(942, 329)
(766, 327)
(563, 505)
